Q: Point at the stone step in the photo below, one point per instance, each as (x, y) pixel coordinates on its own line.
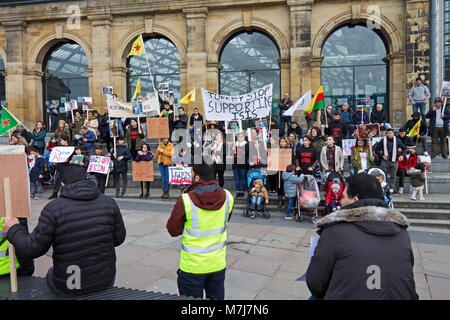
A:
(428, 223)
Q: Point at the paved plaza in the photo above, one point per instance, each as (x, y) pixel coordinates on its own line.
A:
(264, 257)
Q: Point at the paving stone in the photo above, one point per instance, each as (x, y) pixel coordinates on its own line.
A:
(439, 288)
(272, 295)
(279, 241)
(164, 285)
(422, 286)
(235, 288)
(296, 262)
(249, 231)
(258, 264)
(137, 276)
(129, 254)
(284, 282)
(163, 258)
(436, 268)
(155, 241)
(275, 253)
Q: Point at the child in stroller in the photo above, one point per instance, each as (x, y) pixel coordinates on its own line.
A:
(256, 177)
(336, 179)
(308, 196)
(382, 177)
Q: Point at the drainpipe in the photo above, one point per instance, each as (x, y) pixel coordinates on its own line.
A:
(436, 48)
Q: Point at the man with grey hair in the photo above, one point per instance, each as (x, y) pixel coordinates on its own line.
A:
(419, 95)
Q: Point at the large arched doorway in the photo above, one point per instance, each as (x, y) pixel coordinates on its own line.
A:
(354, 67)
(163, 58)
(65, 77)
(2, 83)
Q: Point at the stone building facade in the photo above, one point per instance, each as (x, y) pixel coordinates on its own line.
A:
(199, 30)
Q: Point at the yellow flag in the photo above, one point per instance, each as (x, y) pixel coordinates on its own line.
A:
(138, 88)
(188, 98)
(137, 47)
(414, 132)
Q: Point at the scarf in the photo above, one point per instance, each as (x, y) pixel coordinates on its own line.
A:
(394, 148)
(331, 158)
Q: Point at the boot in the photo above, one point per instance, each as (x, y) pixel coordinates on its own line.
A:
(147, 194)
(400, 190)
(142, 191)
(163, 194)
(280, 201)
(167, 194)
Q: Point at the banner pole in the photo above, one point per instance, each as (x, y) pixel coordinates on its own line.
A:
(11, 249)
(115, 145)
(149, 70)
(107, 178)
(445, 104)
(426, 182)
(71, 111)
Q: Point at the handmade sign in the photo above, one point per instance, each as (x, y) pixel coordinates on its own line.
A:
(71, 105)
(87, 103)
(445, 90)
(347, 146)
(427, 161)
(137, 107)
(164, 86)
(157, 128)
(278, 159)
(368, 130)
(261, 123)
(142, 171)
(256, 104)
(77, 159)
(180, 175)
(150, 104)
(107, 90)
(118, 108)
(61, 154)
(99, 164)
(14, 167)
(12, 149)
(114, 128)
(234, 126)
(257, 134)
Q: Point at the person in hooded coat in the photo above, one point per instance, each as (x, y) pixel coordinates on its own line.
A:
(422, 131)
(364, 251)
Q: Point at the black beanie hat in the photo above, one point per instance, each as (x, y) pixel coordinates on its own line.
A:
(71, 173)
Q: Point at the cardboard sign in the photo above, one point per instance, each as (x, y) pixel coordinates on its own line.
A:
(256, 104)
(61, 154)
(99, 164)
(180, 175)
(14, 167)
(278, 159)
(77, 160)
(157, 128)
(150, 104)
(347, 145)
(427, 161)
(87, 103)
(142, 171)
(445, 90)
(12, 149)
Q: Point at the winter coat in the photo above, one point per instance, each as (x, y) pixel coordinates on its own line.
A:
(338, 159)
(411, 123)
(76, 127)
(417, 178)
(148, 156)
(432, 116)
(38, 138)
(322, 117)
(37, 170)
(409, 163)
(89, 145)
(355, 243)
(181, 123)
(260, 191)
(318, 143)
(338, 130)
(92, 125)
(379, 148)
(139, 141)
(192, 119)
(83, 227)
(103, 126)
(290, 181)
(122, 165)
(24, 133)
(356, 159)
(165, 157)
(358, 117)
(351, 115)
(378, 116)
(284, 105)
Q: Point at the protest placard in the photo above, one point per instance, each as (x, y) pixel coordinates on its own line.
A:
(157, 128)
(14, 167)
(347, 145)
(108, 90)
(10, 149)
(114, 128)
(445, 90)
(71, 105)
(180, 175)
(77, 159)
(99, 164)
(234, 126)
(118, 108)
(163, 86)
(142, 171)
(427, 161)
(368, 130)
(257, 134)
(376, 140)
(87, 103)
(61, 154)
(255, 104)
(278, 159)
(150, 104)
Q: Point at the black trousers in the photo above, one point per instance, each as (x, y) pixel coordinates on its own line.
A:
(117, 182)
(101, 181)
(147, 187)
(193, 285)
(273, 184)
(220, 174)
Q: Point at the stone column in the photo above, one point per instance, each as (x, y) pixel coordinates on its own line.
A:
(34, 102)
(397, 98)
(196, 51)
(119, 81)
(102, 60)
(16, 66)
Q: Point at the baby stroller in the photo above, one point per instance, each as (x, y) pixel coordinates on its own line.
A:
(375, 171)
(329, 180)
(49, 171)
(252, 175)
(308, 196)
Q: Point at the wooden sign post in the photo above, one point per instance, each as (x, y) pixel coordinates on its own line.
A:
(12, 251)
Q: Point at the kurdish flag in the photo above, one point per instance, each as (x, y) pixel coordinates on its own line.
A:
(138, 88)
(137, 47)
(414, 132)
(7, 122)
(188, 98)
(317, 103)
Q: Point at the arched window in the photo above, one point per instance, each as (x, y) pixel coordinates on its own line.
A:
(249, 61)
(354, 68)
(65, 76)
(163, 58)
(2, 83)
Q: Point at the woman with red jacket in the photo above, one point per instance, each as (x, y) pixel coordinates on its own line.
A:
(408, 162)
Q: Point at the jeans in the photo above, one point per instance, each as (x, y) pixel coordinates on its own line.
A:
(290, 205)
(240, 177)
(392, 168)
(283, 121)
(36, 188)
(117, 182)
(101, 181)
(422, 107)
(256, 202)
(191, 285)
(164, 176)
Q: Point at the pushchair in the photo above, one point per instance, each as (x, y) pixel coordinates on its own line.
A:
(252, 175)
(308, 199)
(375, 171)
(329, 180)
(49, 171)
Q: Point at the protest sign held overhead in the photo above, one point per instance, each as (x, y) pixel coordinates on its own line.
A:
(180, 175)
(445, 90)
(87, 103)
(71, 105)
(278, 159)
(150, 104)
(256, 104)
(142, 171)
(61, 154)
(99, 164)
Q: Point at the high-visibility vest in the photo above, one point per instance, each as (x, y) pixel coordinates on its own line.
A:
(203, 248)
(4, 257)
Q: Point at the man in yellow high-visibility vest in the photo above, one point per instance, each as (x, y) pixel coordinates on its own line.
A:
(201, 216)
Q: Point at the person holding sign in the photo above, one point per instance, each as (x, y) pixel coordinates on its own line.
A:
(120, 158)
(164, 154)
(409, 162)
(144, 155)
(100, 178)
(133, 138)
(166, 112)
(437, 129)
(36, 165)
(362, 157)
(76, 125)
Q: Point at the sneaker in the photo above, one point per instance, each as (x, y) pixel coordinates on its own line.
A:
(32, 196)
(413, 198)
(400, 190)
(38, 196)
(444, 156)
(422, 199)
(123, 196)
(117, 195)
(289, 218)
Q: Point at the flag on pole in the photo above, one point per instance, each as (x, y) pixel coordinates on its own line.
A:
(137, 47)
(188, 98)
(138, 88)
(317, 103)
(301, 104)
(7, 121)
(414, 132)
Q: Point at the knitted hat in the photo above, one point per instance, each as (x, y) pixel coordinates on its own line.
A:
(335, 184)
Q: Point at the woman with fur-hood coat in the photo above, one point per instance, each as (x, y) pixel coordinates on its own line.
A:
(364, 250)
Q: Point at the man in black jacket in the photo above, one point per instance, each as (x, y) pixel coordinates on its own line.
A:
(83, 227)
(379, 116)
(120, 160)
(364, 251)
(422, 131)
(284, 105)
(337, 129)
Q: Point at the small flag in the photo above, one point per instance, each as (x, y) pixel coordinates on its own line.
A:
(317, 103)
(137, 47)
(414, 132)
(188, 98)
(7, 121)
(138, 88)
